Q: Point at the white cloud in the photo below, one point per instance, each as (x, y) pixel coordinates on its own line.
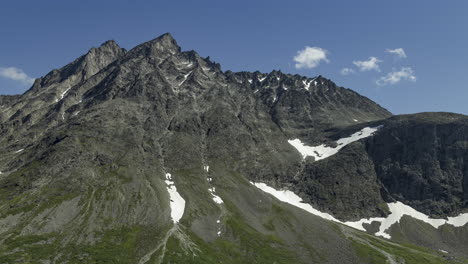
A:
(310, 57)
(400, 52)
(405, 73)
(16, 75)
(371, 64)
(347, 71)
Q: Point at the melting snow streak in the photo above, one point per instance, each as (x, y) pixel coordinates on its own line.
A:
(215, 197)
(185, 78)
(177, 202)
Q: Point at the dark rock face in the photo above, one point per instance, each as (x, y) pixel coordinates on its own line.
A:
(416, 159)
(421, 160)
(345, 185)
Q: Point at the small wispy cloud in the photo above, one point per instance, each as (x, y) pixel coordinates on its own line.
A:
(310, 57)
(371, 64)
(405, 73)
(400, 52)
(346, 71)
(16, 74)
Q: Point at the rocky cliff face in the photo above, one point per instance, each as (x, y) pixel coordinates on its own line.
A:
(94, 151)
(416, 159)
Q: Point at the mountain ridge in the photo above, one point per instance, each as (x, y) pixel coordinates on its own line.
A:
(86, 158)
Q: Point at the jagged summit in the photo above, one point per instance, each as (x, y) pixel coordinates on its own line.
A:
(160, 47)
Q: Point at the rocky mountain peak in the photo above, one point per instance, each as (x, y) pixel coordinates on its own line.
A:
(82, 68)
(159, 48)
(99, 157)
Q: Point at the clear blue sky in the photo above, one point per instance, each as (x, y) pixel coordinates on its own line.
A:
(38, 36)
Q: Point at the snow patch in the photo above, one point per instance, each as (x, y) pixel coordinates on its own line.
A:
(458, 221)
(285, 88)
(64, 93)
(293, 199)
(278, 78)
(212, 190)
(177, 203)
(275, 99)
(185, 78)
(306, 84)
(18, 151)
(249, 80)
(397, 211)
(76, 113)
(355, 120)
(261, 79)
(323, 151)
(443, 251)
(215, 197)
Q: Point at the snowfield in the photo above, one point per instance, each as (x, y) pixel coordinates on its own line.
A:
(323, 151)
(397, 209)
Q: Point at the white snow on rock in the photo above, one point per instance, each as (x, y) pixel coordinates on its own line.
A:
(187, 63)
(307, 84)
(261, 79)
(397, 211)
(215, 197)
(278, 78)
(64, 93)
(206, 168)
(458, 221)
(177, 203)
(249, 80)
(291, 198)
(185, 78)
(355, 120)
(443, 251)
(285, 88)
(18, 151)
(323, 151)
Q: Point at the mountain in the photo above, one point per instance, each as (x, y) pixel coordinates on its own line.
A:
(156, 155)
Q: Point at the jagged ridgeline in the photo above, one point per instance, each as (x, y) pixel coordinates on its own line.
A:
(156, 155)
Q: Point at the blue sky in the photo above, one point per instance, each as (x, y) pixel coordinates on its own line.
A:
(38, 36)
